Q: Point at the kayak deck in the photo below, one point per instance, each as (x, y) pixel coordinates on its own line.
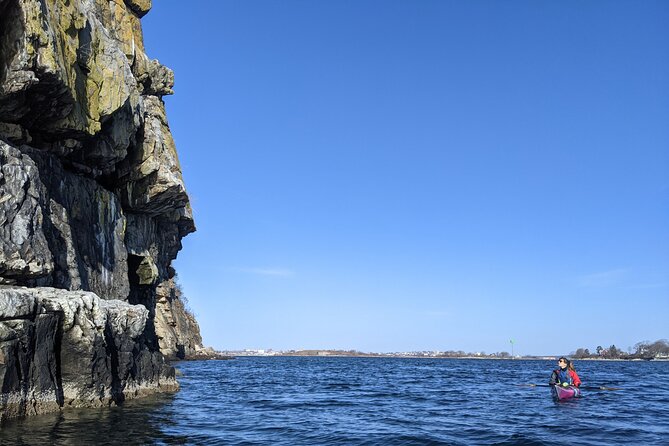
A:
(565, 393)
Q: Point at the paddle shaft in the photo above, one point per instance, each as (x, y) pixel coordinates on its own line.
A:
(581, 387)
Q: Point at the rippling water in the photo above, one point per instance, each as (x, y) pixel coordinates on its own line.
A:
(374, 401)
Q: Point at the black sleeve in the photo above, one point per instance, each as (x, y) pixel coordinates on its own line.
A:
(554, 378)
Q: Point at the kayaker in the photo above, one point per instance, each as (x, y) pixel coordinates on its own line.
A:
(565, 374)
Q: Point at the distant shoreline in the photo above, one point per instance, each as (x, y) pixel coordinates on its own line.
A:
(478, 358)
(332, 354)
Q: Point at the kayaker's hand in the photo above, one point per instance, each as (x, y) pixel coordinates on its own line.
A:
(565, 384)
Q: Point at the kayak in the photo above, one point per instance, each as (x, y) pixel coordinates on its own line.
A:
(565, 393)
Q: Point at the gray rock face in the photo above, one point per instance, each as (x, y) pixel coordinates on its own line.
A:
(73, 349)
(60, 229)
(93, 208)
(24, 251)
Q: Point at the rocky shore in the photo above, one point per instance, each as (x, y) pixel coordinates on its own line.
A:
(93, 208)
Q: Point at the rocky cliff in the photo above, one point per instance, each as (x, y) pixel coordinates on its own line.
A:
(92, 209)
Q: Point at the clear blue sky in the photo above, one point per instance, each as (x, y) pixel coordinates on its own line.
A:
(402, 175)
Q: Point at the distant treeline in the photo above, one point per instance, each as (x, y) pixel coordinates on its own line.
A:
(413, 354)
(641, 350)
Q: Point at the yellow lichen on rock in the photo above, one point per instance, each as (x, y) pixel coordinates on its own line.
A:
(122, 27)
(83, 53)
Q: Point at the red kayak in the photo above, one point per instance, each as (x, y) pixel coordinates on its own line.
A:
(565, 393)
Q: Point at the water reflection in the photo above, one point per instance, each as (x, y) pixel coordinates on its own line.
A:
(136, 422)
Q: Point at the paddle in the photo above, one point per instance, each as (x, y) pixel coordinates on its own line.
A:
(581, 387)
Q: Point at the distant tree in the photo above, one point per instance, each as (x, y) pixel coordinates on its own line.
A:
(614, 352)
(660, 347)
(581, 353)
(641, 348)
(599, 350)
(647, 349)
(503, 354)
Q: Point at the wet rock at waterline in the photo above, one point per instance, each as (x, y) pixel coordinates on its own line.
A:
(70, 348)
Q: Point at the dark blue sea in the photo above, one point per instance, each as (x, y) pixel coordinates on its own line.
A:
(374, 401)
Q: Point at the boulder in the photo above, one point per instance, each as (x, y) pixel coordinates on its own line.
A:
(73, 349)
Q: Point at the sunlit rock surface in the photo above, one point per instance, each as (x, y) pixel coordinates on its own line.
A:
(71, 348)
(93, 208)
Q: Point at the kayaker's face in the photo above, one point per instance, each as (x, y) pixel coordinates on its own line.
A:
(562, 363)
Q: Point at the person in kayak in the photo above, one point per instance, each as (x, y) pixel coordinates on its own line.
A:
(565, 374)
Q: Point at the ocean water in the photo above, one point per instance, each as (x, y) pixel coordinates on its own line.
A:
(374, 401)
